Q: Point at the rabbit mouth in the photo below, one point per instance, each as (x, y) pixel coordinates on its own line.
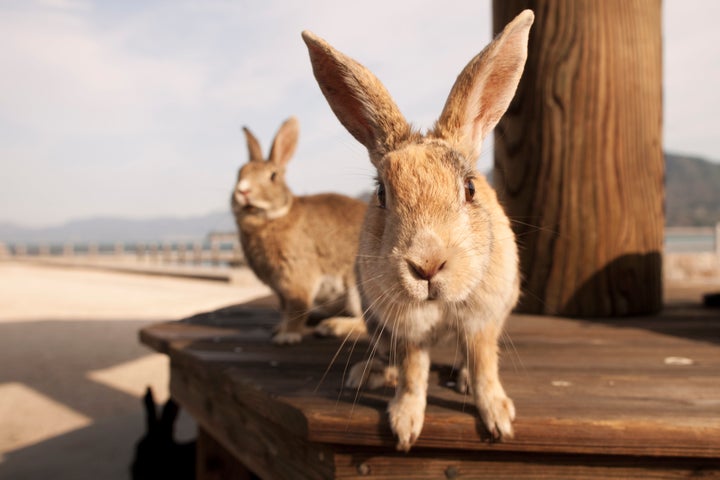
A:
(435, 291)
(246, 208)
(423, 291)
(250, 208)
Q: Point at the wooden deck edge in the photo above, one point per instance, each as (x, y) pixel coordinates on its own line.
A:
(272, 449)
(351, 463)
(625, 439)
(537, 436)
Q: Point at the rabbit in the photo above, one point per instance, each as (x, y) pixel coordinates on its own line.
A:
(302, 247)
(437, 254)
(157, 454)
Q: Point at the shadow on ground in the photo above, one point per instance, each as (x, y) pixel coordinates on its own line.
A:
(53, 359)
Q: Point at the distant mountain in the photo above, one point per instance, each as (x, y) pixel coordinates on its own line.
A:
(692, 191)
(113, 229)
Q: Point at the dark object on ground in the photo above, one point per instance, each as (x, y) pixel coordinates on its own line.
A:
(711, 300)
(157, 454)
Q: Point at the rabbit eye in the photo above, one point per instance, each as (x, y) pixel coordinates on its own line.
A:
(273, 176)
(469, 190)
(381, 194)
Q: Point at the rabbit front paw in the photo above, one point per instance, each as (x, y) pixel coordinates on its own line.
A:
(341, 327)
(407, 414)
(497, 412)
(287, 338)
(372, 374)
(462, 382)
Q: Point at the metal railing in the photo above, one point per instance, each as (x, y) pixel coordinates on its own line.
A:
(219, 249)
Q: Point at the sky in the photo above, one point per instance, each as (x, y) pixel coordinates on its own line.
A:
(135, 108)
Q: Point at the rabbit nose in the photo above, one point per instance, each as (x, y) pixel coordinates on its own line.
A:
(426, 270)
(243, 187)
(242, 193)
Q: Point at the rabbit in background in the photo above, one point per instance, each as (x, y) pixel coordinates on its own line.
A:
(437, 254)
(302, 247)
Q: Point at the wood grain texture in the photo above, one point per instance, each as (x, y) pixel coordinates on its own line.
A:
(375, 463)
(214, 462)
(578, 157)
(594, 398)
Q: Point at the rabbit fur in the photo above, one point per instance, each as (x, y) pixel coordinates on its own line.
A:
(437, 253)
(302, 247)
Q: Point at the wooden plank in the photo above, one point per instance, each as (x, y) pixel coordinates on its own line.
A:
(600, 387)
(266, 448)
(214, 462)
(434, 464)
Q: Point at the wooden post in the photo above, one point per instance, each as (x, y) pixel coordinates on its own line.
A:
(214, 462)
(578, 157)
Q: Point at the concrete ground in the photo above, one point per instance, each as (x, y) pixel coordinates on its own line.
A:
(72, 372)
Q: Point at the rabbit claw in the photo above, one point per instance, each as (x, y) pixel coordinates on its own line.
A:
(372, 374)
(287, 338)
(407, 415)
(340, 327)
(497, 414)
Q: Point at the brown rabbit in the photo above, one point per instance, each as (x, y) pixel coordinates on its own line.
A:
(304, 247)
(437, 253)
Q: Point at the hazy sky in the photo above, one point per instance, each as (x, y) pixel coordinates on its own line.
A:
(135, 108)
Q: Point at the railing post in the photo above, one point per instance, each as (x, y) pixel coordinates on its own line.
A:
(197, 253)
(153, 252)
(215, 253)
(119, 250)
(181, 248)
(167, 252)
(238, 255)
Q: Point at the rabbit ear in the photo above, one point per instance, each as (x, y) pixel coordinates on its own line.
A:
(285, 142)
(168, 416)
(485, 87)
(150, 409)
(358, 99)
(254, 150)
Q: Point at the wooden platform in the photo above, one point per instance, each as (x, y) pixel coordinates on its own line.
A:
(621, 398)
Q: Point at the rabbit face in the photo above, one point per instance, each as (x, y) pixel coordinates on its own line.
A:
(261, 189)
(422, 235)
